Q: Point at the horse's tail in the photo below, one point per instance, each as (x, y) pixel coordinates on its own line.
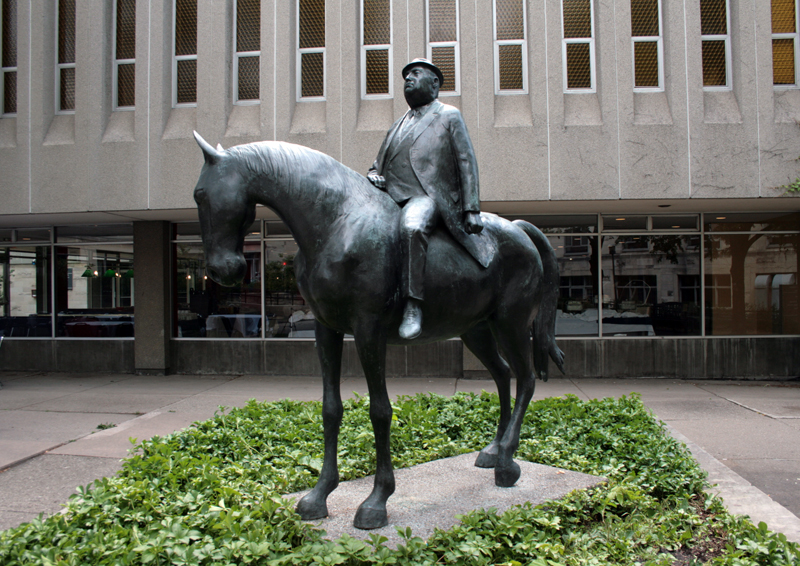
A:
(544, 326)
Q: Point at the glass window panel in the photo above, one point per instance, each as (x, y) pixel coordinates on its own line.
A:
(579, 69)
(205, 309)
(751, 284)
(783, 16)
(25, 292)
(577, 302)
(510, 64)
(10, 92)
(67, 89)
(276, 228)
(445, 59)
(6, 235)
(95, 290)
(312, 24)
(126, 85)
(509, 18)
(287, 314)
(713, 17)
(624, 222)
(186, 27)
(651, 285)
(377, 23)
(249, 78)
(313, 70)
(675, 222)
(248, 25)
(442, 20)
(783, 65)
(187, 81)
(66, 31)
(644, 18)
(714, 64)
(577, 18)
(645, 54)
(752, 222)
(9, 8)
(126, 29)
(377, 71)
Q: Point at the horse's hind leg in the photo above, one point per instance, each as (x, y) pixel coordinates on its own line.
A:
(370, 342)
(514, 341)
(329, 349)
(481, 342)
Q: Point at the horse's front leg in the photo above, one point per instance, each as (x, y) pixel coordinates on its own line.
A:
(329, 350)
(371, 345)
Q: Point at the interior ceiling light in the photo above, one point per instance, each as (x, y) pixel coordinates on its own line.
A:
(619, 219)
(721, 217)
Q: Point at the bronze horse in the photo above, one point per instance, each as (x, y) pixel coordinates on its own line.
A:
(348, 270)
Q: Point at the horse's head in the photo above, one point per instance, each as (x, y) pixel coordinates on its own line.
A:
(226, 211)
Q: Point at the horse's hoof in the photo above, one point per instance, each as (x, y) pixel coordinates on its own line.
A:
(507, 476)
(311, 509)
(370, 518)
(486, 459)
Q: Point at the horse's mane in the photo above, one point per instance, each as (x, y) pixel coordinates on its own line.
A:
(291, 164)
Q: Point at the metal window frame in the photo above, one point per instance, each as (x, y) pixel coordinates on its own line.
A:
(308, 50)
(659, 40)
(592, 55)
(236, 56)
(379, 47)
(60, 66)
(429, 45)
(795, 37)
(523, 43)
(4, 70)
(116, 63)
(727, 39)
(176, 58)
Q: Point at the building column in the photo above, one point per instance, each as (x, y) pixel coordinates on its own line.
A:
(152, 292)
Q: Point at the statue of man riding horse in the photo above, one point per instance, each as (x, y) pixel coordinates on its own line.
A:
(365, 264)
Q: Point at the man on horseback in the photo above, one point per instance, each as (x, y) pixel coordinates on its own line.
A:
(428, 166)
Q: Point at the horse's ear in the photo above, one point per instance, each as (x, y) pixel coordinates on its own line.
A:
(211, 155)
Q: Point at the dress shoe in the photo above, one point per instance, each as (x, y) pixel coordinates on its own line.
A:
(412, 321)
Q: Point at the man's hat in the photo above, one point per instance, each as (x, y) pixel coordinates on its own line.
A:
(425, 63)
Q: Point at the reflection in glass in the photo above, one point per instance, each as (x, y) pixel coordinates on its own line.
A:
(751, 284)
(577, 302)
(651, 285)
(205, 309)
(94, 290)
(287, 314)
(25, 292)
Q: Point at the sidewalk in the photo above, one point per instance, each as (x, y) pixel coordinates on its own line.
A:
(54, 435)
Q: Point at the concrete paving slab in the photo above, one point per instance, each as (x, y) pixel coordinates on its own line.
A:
(65, 382)
(11, 519)
(169, 385)
(781, 401)
(96, 401)
(736, 439)
(779, 479)
(23, 489)
(702, 407)
(13, 452)
(399, 386)
(430, 496)
(272, 388)
(115, 442)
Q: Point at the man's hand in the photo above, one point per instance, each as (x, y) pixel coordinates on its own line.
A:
(376, 180)
(473, 223)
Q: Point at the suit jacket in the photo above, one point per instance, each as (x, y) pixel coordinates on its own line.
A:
(444, 163)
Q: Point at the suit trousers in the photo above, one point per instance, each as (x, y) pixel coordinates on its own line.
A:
(417, 221)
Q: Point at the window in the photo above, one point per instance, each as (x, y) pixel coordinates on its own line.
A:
(124, 54)
(648, 71)
(376, 48)
(716, 40)
(784, 42)
(184, 62)
(65, 57)
(24, 292)
(443, 51)
(247, 52)
(8, 49)
(311, 48)
(578, 45)
(510, 47)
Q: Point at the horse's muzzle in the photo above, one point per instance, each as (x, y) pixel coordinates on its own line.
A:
(228, 272)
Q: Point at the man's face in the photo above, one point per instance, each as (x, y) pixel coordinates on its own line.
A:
(420, 86)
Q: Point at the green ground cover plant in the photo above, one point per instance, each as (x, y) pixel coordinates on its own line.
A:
(211, 494)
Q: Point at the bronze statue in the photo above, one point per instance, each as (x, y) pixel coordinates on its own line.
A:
(349, 271)
(427, 165)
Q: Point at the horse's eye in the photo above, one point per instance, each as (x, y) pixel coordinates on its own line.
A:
(199, 195)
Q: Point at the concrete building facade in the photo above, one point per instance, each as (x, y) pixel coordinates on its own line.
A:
(655, 141)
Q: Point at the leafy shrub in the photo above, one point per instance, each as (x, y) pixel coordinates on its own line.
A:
(210, 494)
